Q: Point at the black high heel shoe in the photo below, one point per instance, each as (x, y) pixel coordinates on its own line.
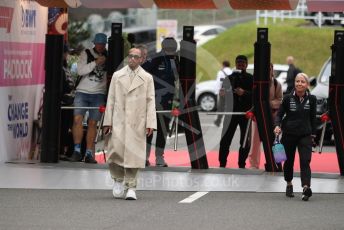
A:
(289, 191)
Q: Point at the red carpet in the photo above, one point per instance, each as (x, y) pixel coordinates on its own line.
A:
(325, 162)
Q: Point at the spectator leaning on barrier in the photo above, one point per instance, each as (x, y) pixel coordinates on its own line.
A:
(221, 74)
(90, 92)
(130, 115)
(240, 83)
(275, 96)
(296, 118)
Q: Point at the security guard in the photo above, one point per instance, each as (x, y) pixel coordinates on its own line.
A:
(240, 84)
(164, 82)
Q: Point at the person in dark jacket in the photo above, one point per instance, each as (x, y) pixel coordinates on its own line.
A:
(164, 83)
(291, 74)
(239, 85)
(296, 118)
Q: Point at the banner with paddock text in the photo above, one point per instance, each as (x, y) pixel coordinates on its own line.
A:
(23, 25)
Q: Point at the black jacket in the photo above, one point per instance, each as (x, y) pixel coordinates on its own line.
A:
(300, 117)
(291, 74)
(243, 80)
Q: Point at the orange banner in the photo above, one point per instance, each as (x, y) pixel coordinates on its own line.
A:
(263, 4)
(185, 4)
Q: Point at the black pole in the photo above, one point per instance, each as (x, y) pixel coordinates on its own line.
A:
(261, 100)
(336, 96)
(115, 49)
(51, 99)
(190, 117)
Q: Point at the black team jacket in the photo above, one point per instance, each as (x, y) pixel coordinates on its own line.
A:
(297, 117)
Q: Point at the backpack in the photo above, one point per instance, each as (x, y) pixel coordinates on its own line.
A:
(67, 98)
(90, 58)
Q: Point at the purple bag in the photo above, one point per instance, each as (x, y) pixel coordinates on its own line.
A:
(278, 151)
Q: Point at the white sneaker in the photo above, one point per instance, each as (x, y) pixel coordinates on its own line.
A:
(131, 195)
(118, 189)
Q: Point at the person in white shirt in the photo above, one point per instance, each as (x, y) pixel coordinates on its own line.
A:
(90, 92)
(221, 74)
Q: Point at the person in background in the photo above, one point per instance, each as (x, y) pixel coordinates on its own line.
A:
(130, 115)
(221, 74)
(145, 65)
(291, 74)
(164, 83)
(240, 83)
(275, 96)
(296, 120)
(90, 92)
(144, 51)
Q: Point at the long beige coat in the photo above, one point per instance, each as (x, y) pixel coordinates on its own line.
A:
(130, 109)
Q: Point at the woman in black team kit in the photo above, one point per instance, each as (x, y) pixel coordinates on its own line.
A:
(298, 126)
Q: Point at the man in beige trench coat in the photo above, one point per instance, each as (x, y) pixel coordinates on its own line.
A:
(130, 115)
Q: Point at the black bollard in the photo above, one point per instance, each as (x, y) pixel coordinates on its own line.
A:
(51, 99)
(336, 96)
(261, 101)
(115, 49)
(190, 117)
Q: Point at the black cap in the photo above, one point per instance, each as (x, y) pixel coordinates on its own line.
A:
(241, 58)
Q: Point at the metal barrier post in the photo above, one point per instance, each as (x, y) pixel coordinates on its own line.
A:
(246, 132)
(324, 118)
(321, 142)
(102, 110)
(176, 134)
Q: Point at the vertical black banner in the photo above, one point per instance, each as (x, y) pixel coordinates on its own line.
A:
(336, 96)
(261, 89)
(51, 99)
(115, 49)
(190, 117)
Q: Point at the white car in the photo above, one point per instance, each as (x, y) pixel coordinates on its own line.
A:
(205, 33)
(321, 91)
(206, 94)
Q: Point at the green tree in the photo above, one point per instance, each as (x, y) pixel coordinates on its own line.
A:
(76, 34)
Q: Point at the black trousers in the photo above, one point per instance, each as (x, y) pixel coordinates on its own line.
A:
(66, 137)
(163, 121)
(227, 137)
(304, 146)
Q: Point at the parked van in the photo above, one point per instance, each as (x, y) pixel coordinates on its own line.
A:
(321, 92)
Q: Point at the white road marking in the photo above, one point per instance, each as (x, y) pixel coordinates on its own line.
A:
(193, 197)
